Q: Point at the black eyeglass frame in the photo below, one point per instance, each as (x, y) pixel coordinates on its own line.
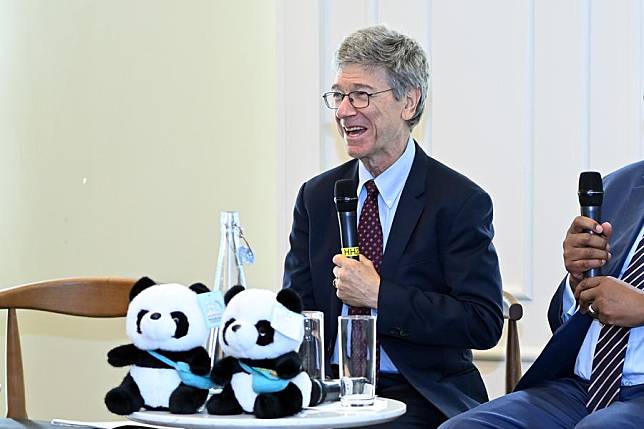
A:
(348, 94)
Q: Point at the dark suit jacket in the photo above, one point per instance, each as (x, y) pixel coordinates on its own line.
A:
(623, 207)
(440, 289)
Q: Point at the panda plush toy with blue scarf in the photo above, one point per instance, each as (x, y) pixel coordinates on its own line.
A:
(261, 372)
(169, 365)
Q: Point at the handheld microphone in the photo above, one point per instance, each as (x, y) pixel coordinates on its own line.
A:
(329, 391)
(346, 202)
(591, 196)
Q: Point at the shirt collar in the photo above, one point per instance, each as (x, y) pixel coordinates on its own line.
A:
(391, 181)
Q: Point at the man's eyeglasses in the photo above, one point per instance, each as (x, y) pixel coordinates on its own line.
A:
(358, 99)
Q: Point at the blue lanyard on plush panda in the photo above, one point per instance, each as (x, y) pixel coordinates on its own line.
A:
(183, 369)
(264, 380)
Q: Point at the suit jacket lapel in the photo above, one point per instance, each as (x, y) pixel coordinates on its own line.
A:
(408, 211)
(626, 227)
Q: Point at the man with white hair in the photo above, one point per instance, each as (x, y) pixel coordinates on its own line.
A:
(427, 267)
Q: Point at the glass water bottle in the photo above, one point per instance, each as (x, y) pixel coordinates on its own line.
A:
(234, 253)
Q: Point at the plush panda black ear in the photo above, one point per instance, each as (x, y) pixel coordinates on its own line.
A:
(232, 292)
(199, 288)
(290, 299)
(142, 284)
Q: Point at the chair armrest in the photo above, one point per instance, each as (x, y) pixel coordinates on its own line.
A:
(512, 308)
(512, 311)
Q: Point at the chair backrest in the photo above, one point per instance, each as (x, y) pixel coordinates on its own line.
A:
(89, 297)
(512, 311)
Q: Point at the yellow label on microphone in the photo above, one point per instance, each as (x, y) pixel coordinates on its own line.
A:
(350, 251)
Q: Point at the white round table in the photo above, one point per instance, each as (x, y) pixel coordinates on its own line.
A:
(327, 415)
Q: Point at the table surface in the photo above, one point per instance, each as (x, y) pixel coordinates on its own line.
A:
(25, 424)
(327, 415)
(71, 424)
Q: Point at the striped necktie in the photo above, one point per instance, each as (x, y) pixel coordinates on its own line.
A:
(608, 361)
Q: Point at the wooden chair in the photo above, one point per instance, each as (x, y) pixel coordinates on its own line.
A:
(89, 297)
(512, 311)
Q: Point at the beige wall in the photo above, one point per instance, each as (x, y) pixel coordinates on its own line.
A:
(125, 128)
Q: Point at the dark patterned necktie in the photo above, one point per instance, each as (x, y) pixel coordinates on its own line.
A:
(370, 243)
(369, 235)
(608, 361)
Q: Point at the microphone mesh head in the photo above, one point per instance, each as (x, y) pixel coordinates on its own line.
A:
(591, 189)
(345, 196)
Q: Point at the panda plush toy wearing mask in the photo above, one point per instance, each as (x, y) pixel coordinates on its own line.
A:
(262, 373)
(169, 363)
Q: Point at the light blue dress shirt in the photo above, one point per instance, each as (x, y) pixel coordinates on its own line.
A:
(390, 184)
(633, 371)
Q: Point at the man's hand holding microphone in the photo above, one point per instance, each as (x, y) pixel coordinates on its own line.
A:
(586, 250)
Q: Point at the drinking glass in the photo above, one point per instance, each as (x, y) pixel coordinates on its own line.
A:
(312, 349)
(357, 360)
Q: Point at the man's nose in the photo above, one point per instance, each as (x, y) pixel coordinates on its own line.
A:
(345, 109)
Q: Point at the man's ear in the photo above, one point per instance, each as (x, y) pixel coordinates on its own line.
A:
(411, 99)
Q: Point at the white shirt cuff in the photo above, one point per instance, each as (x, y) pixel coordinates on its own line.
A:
(568, 303)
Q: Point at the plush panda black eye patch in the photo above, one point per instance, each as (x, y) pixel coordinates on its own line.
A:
(226, 325)
(182, 324)
(138, 320)
(265, 332)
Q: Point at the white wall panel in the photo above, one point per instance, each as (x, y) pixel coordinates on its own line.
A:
(482, 113)
(411, 17)
(615, 57)
(560, 124)
(298, 50)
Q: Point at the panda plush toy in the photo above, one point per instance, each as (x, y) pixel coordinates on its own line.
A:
(262, 373)
(167, 329)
